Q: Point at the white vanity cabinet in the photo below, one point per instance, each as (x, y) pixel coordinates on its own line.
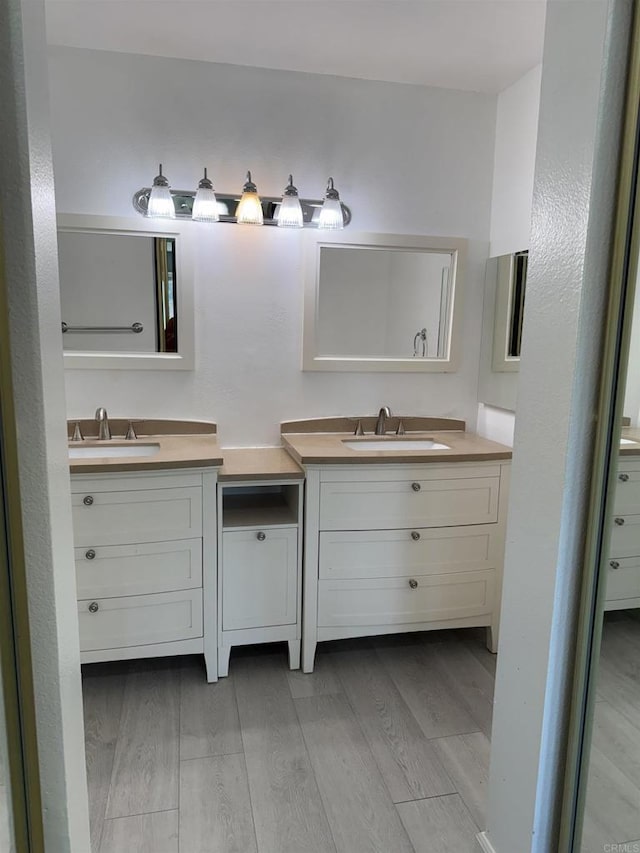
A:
(623, 565)
(259, 559)
(392, 548)
(145, 557)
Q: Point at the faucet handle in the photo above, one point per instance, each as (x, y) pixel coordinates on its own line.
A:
(77, 433)
(131, 433)
(359, 430)
(400, 430)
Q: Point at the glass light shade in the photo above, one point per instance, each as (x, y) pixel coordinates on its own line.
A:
(249, 210)
(205, 203)
(331, 217)
(205, 206)
(161, 204)
(290, 213)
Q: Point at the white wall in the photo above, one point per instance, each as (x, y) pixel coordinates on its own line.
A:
(406, 159)
(514, 163)
(581, 103)
(632, 389)
(35, 345)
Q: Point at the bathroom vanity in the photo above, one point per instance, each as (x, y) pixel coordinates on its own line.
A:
(623, 565)
(400, 540)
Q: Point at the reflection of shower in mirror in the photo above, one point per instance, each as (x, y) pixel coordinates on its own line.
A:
(420, 342)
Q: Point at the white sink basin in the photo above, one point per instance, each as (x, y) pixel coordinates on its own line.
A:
(367, 445)
(627, 441)
(93, 451)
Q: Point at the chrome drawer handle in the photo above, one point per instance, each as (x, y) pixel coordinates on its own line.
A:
(94, 607)
(413, 583)
(619, 521)
(614, 564)
(87, 500)
(415, 535)
(261, 536)
(416, 487)
(90, 554)
(623, 477)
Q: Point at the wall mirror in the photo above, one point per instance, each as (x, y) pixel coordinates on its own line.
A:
(511, 279)
(382, 302)
(126, 294)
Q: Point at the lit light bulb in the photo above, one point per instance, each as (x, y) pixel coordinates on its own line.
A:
(331, 217)
(160, 201)
(205, 204)
(249, 210)
(290, 212)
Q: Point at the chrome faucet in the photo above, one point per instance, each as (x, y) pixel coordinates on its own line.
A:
(381, 423)
(104, 432)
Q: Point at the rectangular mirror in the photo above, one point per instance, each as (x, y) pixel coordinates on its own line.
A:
(511, 279)
(125, 294)
(382, 302)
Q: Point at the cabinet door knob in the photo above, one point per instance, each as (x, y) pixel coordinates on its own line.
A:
(415, 535)
(94, 607)
(416, 487)
(619, 521)
(413, 583)
(261, 536)
(87, 500)
(623, 478)
(614, 564)
(90, 554)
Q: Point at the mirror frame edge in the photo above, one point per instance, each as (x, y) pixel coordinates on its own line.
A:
(314, 242)
(184, 359)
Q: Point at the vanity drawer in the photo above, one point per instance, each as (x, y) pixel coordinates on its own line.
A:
(400, 601)
(623, 579)
(627, 498)
(408, 503)
(146, 515)
(625, 536)
(139, 620)
(116, 570)
(400, 553)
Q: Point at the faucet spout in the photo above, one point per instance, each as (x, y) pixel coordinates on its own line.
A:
(104, 432)
(381, 423)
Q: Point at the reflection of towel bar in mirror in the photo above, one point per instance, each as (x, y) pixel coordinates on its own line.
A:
(134, 327)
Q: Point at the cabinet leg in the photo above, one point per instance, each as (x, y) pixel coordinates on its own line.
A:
(211, 668)
(492, 639)
(294, 654)
(308, 655)
(224, 652)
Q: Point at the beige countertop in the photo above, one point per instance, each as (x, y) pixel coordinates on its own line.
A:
(175, 451)
(631, 434)
(259, 463)
(325, 448)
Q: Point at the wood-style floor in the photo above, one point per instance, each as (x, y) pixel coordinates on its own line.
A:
(383, 749)
(612, 814)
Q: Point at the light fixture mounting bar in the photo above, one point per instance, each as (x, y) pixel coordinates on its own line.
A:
(227, 204)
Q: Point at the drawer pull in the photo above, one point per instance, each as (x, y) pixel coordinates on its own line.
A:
(623, 477)
(261, 536)
(90, 554)
(415, 535)
(614, 564)
(87, 500)
(94, 607)
(416, 487)
(619, 521)
(413, 583)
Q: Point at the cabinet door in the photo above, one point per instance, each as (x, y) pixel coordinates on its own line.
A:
(623, 583)
(259, 578)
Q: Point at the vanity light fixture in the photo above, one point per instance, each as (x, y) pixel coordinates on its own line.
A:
(289, 214)
(331, 214)
(249, 210)
(205, 204)
(160, 199)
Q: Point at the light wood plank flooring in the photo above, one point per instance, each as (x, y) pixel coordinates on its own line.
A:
(612, 813)
(383, 749)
